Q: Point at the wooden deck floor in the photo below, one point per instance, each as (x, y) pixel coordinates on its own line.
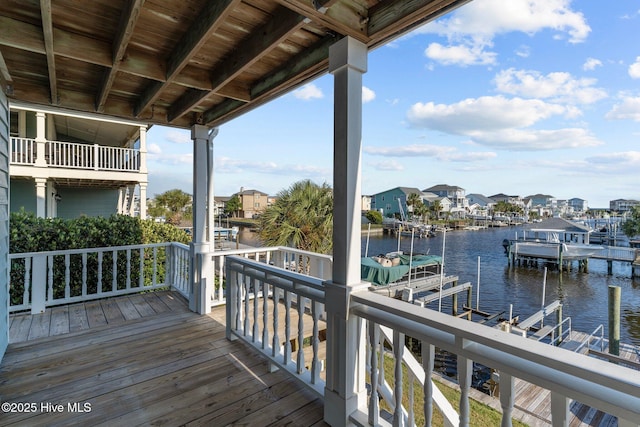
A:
(166, 367)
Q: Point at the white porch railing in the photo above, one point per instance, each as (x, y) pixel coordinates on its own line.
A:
(267, 307)
(76, 155)
(611, 388)
(309, 263)
(44, 279)
(618, 253)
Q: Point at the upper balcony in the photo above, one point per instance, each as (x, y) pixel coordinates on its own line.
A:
(71, 155)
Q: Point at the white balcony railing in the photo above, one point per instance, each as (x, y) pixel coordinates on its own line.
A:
(75, 155)
(23, 151)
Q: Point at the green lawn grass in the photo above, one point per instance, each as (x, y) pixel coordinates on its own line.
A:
(481, 414)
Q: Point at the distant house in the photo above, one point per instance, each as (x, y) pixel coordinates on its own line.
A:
(220, 204)
(366, 203)
(252, 202)
(543, 201)
(393, 202)
(623, 205)
(579, 205)
(480, 206)
(455, 194)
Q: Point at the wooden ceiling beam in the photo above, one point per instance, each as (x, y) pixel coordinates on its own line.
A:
(308, 63)
(395, 16)
(128, 22)
(347, 20)
(262, 41)
(47, 32)
(211, 17)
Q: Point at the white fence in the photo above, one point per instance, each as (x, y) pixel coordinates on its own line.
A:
(44, 279)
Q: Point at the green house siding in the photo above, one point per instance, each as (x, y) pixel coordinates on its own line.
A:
(76, 202)
(23, 195)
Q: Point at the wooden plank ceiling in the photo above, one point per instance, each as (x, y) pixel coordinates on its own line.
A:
(182, 62)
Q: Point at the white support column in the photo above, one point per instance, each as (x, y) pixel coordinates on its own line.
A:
(121, 198)
(143, 149)
(345, 390)
(143, 200)
(41, 197)
(41, 139)
(130, 198)
(559, 409)
(202, 267)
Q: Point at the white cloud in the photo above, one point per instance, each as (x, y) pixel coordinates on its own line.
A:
(502, 123)
(591, 64)
(438, 152)
(626, 157)
(388, 165)
(460, 55)
(228, 165)
(368, 95)
(178, 136)
(634, 69)
(482, 114)
(557, 86)
(308, 91)
(154, 149)
(472, 28)
(629, 109)
(172, 159)
(523, 51)
(537, 140)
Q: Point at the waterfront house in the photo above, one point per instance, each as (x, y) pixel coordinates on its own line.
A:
(622, 206)
(393, 202)
(262, 359)
(579, 205)
(455, 194)
(252, 203)
(68, 163)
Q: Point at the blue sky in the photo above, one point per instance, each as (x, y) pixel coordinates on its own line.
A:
(516, 97)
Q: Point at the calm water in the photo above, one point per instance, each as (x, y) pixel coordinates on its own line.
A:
(583, 295)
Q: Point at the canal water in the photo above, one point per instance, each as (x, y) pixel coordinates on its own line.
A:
(583, 295)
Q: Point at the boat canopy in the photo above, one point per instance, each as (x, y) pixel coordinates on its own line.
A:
(377, 274)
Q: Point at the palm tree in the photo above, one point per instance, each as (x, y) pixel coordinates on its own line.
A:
(436, 207)
(301, 217)
(414, 200)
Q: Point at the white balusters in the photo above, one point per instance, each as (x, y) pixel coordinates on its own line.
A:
(506, 398)
(428, 353)
(300, 358)
(276, 323)
(374, 344)
(265, 315)
(315, 337)
(465, 370)
(287, 327)
(398, 351)
(84, 274)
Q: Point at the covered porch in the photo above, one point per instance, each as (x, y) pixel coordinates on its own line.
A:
(235, 57)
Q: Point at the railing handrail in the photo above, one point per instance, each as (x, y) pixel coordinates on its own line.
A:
(17, 255)
(596, 383)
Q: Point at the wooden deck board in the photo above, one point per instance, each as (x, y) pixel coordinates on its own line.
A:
(155, 302)
(142, 306)
(128, 309)
(78, 320)
(19, 329)
(95, 315)
(111, 311)
(59, 320)
(40, 325)
(170, 368)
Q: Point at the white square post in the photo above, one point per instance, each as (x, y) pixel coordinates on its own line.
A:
(345, 388)
(202, 267)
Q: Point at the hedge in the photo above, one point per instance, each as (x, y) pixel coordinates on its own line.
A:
(28, 233)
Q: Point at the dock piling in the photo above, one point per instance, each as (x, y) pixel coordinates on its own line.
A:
(614, 320)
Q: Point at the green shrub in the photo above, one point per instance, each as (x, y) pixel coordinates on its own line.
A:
(27, 233)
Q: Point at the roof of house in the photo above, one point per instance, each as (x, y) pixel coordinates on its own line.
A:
(443, 187)
(558, 224)
(486, 200)
(251, 192)
(180, 63)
